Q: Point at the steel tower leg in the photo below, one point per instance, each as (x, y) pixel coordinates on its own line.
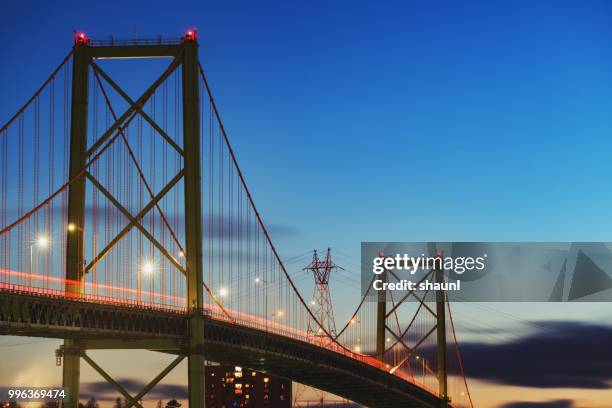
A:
(76, 210)
(381, 320)
(441, 341)
(193, 223)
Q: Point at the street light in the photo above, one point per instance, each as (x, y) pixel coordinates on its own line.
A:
(423, 363)
(148, 268)
(42, 242)
(257, 281)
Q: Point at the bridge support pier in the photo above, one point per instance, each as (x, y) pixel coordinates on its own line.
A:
(71, 370)
(381, 320)
(76, 209)
(441, 341)
(193, 224)
(196, 362)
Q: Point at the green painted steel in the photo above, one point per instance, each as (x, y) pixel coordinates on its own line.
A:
(187, 55)
(381, 321)
(75, 248)
(441, 342)
(193, 223)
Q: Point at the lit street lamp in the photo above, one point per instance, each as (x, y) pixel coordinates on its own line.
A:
(41, 242)
(259, 280)
(147, 268)
(424, 364)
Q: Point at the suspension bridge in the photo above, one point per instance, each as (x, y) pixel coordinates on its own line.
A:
(126, 223)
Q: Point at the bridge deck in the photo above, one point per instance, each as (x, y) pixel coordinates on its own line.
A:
(112, 326)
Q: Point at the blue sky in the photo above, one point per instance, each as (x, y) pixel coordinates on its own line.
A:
(446, 121)
(364, 121)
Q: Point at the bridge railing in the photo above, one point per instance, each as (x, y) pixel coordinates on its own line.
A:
(90, 298)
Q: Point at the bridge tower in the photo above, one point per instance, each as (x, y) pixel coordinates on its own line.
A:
(383, 315)
(184, 54)
(441, 340)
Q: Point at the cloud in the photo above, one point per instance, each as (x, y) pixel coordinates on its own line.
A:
(545, 404)
(558, 355)
(168, 391)
(103, 391)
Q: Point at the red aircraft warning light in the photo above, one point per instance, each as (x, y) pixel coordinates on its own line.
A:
(80, 38)
(191, 35)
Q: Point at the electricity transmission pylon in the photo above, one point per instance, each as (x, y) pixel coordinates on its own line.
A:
(324, 331)
(321, 302)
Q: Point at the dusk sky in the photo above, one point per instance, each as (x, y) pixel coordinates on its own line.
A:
(390, 121)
